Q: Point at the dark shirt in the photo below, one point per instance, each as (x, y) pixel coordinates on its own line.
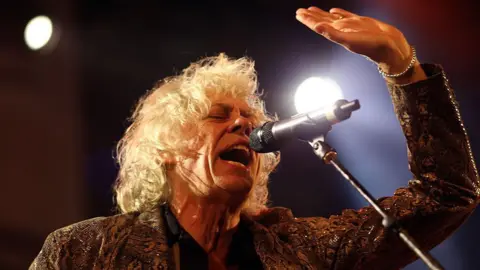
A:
(242, 254)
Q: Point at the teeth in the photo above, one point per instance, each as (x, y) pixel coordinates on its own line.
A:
(235, 163)
(241, 147)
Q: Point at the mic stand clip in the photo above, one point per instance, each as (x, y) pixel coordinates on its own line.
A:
(329, 156)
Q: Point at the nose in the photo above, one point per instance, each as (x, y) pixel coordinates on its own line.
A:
(241, 126)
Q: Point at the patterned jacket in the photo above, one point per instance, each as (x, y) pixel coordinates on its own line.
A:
(444, 192)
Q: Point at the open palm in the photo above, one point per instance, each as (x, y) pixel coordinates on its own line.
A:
(382, 43)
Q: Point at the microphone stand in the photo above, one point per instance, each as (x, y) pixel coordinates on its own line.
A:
(329, 156)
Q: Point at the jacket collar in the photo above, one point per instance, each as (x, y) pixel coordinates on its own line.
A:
(173, 229)
(271, 250)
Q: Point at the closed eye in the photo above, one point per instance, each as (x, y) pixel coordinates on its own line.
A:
(219, 117)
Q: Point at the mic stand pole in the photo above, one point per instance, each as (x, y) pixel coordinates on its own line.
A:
(329, 156)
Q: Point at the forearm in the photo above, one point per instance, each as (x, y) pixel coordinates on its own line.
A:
(438, 145)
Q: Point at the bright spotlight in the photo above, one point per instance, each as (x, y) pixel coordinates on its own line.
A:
(316, 93)
(38, 32)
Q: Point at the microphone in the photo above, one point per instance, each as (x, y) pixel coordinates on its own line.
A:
(271, 136)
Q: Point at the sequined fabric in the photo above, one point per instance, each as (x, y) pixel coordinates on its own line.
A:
(443, 193)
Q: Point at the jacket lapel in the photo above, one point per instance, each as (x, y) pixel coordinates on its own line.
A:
(272, 251)
(148, 241)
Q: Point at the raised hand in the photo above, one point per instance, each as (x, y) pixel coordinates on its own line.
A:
(378, 41)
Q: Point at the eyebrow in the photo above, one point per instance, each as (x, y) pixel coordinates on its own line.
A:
(229, 108)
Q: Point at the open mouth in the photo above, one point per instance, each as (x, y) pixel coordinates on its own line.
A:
(237, 155)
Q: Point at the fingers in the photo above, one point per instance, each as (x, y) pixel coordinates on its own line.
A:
(313, 15)
(317, 14)
(342, 12)
(307, 20)
(338, 25)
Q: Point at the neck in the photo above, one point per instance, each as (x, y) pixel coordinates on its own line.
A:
(211, 223)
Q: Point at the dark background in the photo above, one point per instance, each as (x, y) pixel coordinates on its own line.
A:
(64, 109)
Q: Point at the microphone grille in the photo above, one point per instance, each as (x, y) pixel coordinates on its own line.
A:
(262, 140)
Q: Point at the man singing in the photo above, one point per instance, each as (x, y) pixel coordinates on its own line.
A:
(192, 194)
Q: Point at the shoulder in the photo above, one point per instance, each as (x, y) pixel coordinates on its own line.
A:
(273, 215)
(82, 240)
(94, 227)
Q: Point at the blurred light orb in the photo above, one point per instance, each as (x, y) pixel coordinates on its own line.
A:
(316, 93)
(38, 32)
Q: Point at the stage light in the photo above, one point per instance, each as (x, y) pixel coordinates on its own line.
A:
(316, 93)
(38, 32)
